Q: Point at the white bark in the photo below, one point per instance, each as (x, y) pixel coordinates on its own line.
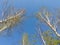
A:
(49, 24)
(6, 23)
(44, 42)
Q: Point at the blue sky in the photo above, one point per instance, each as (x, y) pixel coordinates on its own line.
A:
(29, 25)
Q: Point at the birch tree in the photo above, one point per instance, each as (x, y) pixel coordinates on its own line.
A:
(52, 20)
(10, 17)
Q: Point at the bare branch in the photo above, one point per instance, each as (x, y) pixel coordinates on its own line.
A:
(41, 36)
(10, 21)
(48, 23)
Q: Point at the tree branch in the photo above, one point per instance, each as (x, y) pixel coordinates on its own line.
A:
(10, 21)
(41, 36)
(50, 25)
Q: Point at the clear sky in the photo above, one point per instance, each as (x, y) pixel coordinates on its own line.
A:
(29, 25)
